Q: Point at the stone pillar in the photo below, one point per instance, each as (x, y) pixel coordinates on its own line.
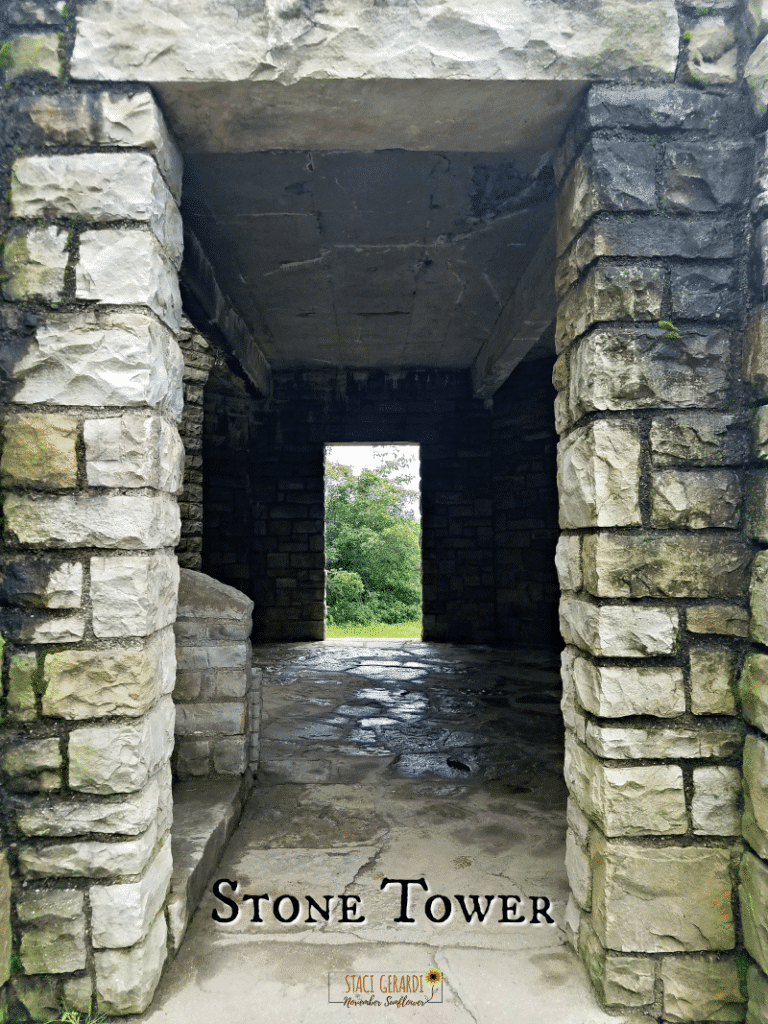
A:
(91, 464)
(653, 561)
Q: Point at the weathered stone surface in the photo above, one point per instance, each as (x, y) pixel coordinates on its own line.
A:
(206, 719)
(35, 583)
(637, 743)
(758, 598)
(755, 345)
(698, 439)
(36, 12)
(133, 595)
(618, 631)
(753, 898)
(118, 681)
(578, 869)
(32, 756)
(695, 500)
(568, 562)
(192, 758)
(701, 177)
(712, 681)
(757, 18)
(598, 470)
(707, 292)
(33, 52)
(611, 691)
(90, 520)
(59, 630)
(623, 980)
(218, 656)
(757, 989)
(126, 979)
(631, 368)
(230, 755)
(224, 683)
(101, 357)
(53, 931)
(701, 990)
(122, 914)
(753, 689)
(712, 53)
(78, 993)
(201, 596)
(89, 858)
(6, 933)
(760, 433)
(127, 266)
(109, 759)
(133, 450)
(657, 107)
(609, 292)
(39, 450)
(98, 188)
(34, 261)
(722, 619)
(715, 804)
(38, 995)
(644, 902)
(664, 565)
(756, 517)
(755, 767)
(23, 676)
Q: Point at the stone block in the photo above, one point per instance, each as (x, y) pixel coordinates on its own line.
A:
(632, 368)
(754, 825)
(230, 755)
(218, 656)
(705, 292)
(59, 630)
(89, 858)
(77, 993)
(36, 12)
(121, 914)
(202, 597)
(133, 450)
(32, 756)
(98, 188)
(712, 673)
(94, 520)
(35, 583)
(623, 980)
(101, 358)
(756, 77)
(760, 433)
(612, 691)
(755, 348)
(135, 120)
(108, 759)
(23, 681)
(756, 510)
(126, 267)
(39, 451)
(224, 683)
(702, 177)
(643, 901)
(753, 898)
(720, 619)
(105, 682)
(753, 689)
(226, 719)
(38, 995)
(654, 107)
(126, 979)
(715, 804)
(698, 439)
(695, 500)
(188, 685)
(53, 931)
(758, 598)
(598, 472)
(192, 758)
(579, 871)
(30, 53)
(6, 932)
(618, 631)
(712, 54)
(664, 565)
(34, 261)
(757, 990)
(638, 743)
(698, 989)
(133, 595)
(568, 562)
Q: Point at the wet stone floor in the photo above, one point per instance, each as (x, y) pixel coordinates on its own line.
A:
(386, 761)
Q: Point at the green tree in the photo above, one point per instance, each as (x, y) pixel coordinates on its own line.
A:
(371, 545)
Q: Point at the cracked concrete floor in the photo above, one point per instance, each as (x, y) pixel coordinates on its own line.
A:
(393, 760)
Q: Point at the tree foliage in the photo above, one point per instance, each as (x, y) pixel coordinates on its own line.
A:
(371, 545)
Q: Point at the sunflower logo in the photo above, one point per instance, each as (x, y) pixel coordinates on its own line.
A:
(433, 976)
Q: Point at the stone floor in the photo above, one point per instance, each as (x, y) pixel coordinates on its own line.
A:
(401, 760)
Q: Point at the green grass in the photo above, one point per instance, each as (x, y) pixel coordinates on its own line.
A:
(377, 629)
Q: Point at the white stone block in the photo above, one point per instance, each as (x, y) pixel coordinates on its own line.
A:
(134, 119)
(34, 261)
(754, 824)
(121, 914)
(64, 588)
(618, 631)
(715, 804)
(612, 691)
(579, 871)
(63, 630)
(638, 743)
(598, 475)
(52, 931)
(133, 595)
(712, 673)
(133, 450)
(89, 858)
(126, 979)
(568, 562)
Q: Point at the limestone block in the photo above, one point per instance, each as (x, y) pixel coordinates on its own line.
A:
(722, 619)
(701, 177)
(708, 292)
(39, 450)
(188, 685)
(32, 756)
(36, 12)
(712, 53)
(135, 120)
(579, 871)
(192, 758)
(23, 675)
(757, 989)
(611, 691)
(61, 630)
(753, 898)
(220, 656)
(78, 993)
(760, 433)
(623, 980)
(636, 742)
(617, 631)
(757, 18)
(33, 52)
(122, 914)
(53, 931)
(133, 450)
(664, 565)
(756, 518)
(715, 804)
(100, 683)
(38, 995)
(91, 520)
(578, 822)
(644, 902)
(127, 266)
(44, 582)
(755, 346)
(609, 293)
(754, 825)
(205, 719)
(230, 755)
(562, 412)
(712, 679)
(126, 979)
(628, 368)
(697, 439)
(89, 858)
(753, 690)
(756, 77)
(101, 358)
(201, 597)
(701, 990)
(34, 261)
(133, 595)
(6, 934)
(598, 472)
(109, 759)
(98, 188)
(758, 598)
(695, 500)
(224, 683)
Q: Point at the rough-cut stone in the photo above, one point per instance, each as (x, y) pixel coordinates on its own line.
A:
(758, 598)
(623, 980)
(78, 993)
(609, 293)
(715, 804)
(101, 357)
(117, 681)
(23, 676)
(631, 368)
(755, 768)
(33, 52)
(127, 266)
(707, 292)
(757, 990)
(126, 979)
(612, 691)
(568, 562)
(53, 931)
(205, 719)
(35, 583)
(712, 679)
(39, 450)
(722, 619)
(230, 755)
(192, 757)
(701, 177)
(701, 990)
(618, 631)
(98, 188)
(755, 345)
(578, 869)
(133, 595)
(664, 565)
(695, 500)
(89, 858)
(760, 433)
(753, 689)
(657, 107)
(6, 932)
(644, 901)
(756, 517)
(90, 520)
(712, 53)
(598, 470)
(34, 261)
(36, 12)
(107, 759)
(218, 656)
(32, 756)
(637, 743)
(121, 914)
(38, 995)
(133, 450)
(753, 898)
(698, 439)
(61, 630)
